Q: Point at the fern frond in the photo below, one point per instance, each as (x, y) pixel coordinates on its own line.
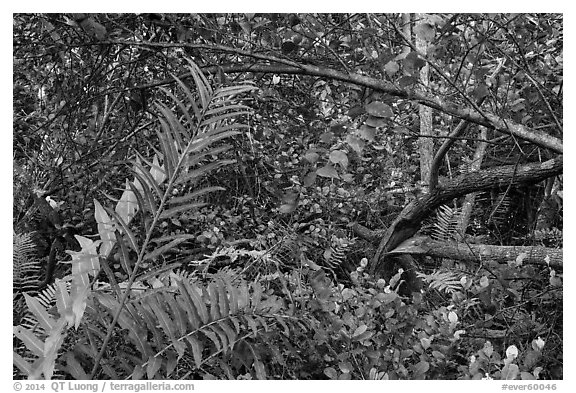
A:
(167, 316)
(26, 268)
(500, 212)
(285, 246)
(41, 345)
(335, 255)
(205, 322)
(189, 135)
(46, 299)
(500, 207)
(445, 226)
(444, 281)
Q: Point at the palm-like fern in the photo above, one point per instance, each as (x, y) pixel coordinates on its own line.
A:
(443, 280)
(26, 269)
(189, 144)
(186, 141)
(500, 213)
(499, 206)
(446, 225)
(287, 248)
(29, 320)
(335, 255)
(197, 325)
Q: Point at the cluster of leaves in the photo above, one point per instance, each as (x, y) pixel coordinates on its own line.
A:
(318, 156)
(367, 331)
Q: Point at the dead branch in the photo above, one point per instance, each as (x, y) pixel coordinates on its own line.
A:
(513, 255)
(488, 120)
(409, 220)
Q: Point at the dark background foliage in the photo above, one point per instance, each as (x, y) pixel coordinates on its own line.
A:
(330, 178)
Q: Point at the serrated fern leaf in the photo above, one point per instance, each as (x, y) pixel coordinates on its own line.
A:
(445, 226)
(205, 322)
(26, 269)
(335, 255)
(444, 281)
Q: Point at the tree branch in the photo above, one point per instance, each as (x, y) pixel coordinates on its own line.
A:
(424, 245)
(409, 220)
(441, 153)
(488, 120)
(534, 255)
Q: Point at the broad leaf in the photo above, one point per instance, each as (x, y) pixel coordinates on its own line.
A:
(105, 229)
(339, 157)
(127, 205)
(328, 171)
(154, 364)
(379, 109)
(368, 133)
(425, 31)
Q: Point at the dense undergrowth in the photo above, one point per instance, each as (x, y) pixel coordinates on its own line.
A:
(220, 244)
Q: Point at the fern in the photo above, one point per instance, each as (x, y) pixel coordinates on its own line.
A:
(445, 226)
(28, 320)
(335, 255)
(501, 211)
(202, 325)
(187, 142)
(500, 207)
(444, 281)
(287, 247)
(44, 343)
(25, 279)
(46, 299)
(26, 269)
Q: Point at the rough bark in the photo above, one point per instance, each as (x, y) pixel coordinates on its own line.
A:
(549, 207)
(409, 220)
(513, 255)
(425, 144)
(407, 30)
(423, 245)
(468, 204)
(443, 150)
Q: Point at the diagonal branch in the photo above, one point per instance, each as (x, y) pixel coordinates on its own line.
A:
(485, 119)
(513, 255)
(435, 167)
(409, 220)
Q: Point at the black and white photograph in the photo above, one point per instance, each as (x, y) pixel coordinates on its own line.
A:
(290, 196)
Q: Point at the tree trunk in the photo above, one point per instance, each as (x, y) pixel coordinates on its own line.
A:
(410, 219)
(513, 255)
(425, 143)
(468, 204)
